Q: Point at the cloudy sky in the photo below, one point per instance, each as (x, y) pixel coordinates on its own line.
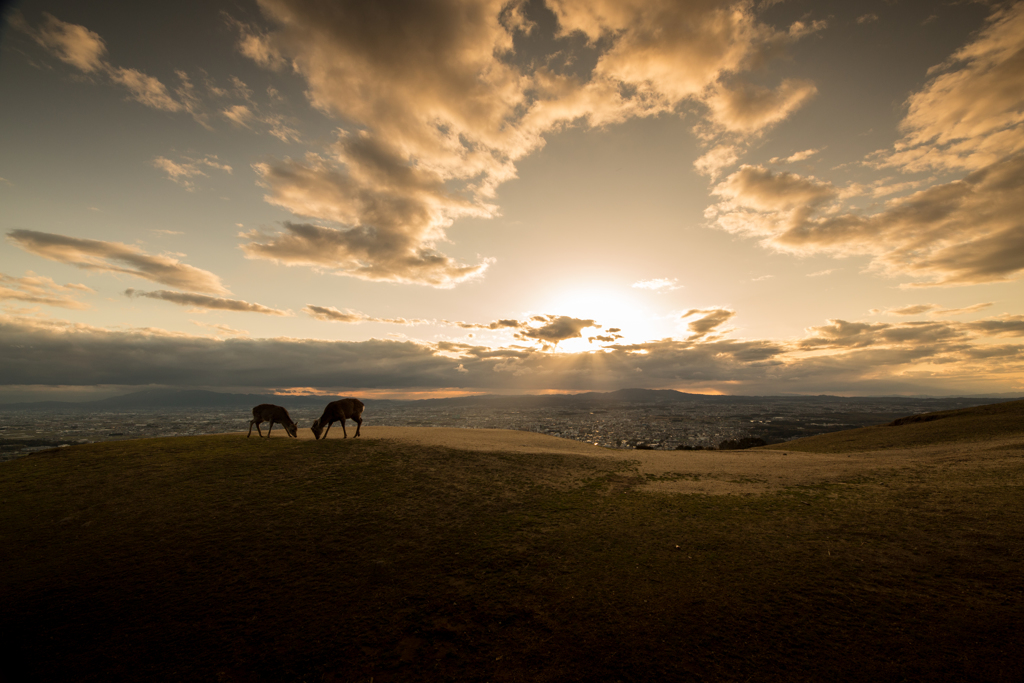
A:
(439, 197)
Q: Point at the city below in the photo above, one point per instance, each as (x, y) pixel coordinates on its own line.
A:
(627, 419)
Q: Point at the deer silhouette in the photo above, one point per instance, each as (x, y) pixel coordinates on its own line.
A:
(267, 412)
(339, 411)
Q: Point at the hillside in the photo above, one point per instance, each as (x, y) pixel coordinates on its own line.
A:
(222, 558)
(950, 426)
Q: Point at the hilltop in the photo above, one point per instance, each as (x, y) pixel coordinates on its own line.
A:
(233, 559)
(942, 427)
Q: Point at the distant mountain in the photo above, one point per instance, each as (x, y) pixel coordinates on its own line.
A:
(153, 399)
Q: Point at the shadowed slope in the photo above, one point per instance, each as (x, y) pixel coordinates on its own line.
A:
(982, 423)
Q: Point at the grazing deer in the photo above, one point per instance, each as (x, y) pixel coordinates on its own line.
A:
(339, 411)
(267, 412)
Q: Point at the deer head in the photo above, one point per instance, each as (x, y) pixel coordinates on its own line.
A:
(316, 429)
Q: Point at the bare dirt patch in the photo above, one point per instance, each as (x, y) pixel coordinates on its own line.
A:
(714, 473)
(487, 440)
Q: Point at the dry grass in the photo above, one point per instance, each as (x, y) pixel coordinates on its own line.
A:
(226, 559)
(982, 423)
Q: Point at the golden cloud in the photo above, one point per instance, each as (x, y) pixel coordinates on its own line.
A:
(207, 302)
(117, 257)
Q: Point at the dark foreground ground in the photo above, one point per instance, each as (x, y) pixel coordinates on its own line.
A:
(227, 559)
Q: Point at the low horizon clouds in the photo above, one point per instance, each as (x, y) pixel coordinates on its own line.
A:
(858, 355)
(547, 330)
(37, 289)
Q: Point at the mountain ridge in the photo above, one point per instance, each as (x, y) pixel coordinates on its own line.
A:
(150, 399)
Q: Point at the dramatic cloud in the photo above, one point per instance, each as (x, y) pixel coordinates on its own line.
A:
(420, 74)
(969, 115)
(964, 232)
(844, 334)
(671, 51)
(969, 231)
(757, 188)
(750, 109)
(116, 257)
(445, 110)
(331, 314)
(36, 289)
(716, 159)
(709, 321)
(555, 328)
(208, 302)
(397, 214)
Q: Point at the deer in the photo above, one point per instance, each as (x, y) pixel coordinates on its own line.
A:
(267, 412)
(339, 411)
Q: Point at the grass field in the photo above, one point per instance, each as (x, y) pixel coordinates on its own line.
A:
(230, 559)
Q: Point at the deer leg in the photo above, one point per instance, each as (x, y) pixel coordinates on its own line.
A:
(327, 430)
(359, 424)
(270, 428)
(343, 430)
(250, 429)
(258, 431)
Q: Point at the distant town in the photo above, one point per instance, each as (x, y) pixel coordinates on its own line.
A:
(629, 419)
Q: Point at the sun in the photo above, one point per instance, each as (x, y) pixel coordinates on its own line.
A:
(613, 308)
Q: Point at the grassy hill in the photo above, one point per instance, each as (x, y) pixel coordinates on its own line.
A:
(950, 426)
(222, 558)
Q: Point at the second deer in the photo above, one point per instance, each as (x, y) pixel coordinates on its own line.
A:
(339, 411)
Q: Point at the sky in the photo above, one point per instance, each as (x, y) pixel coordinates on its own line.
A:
(425, 198)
